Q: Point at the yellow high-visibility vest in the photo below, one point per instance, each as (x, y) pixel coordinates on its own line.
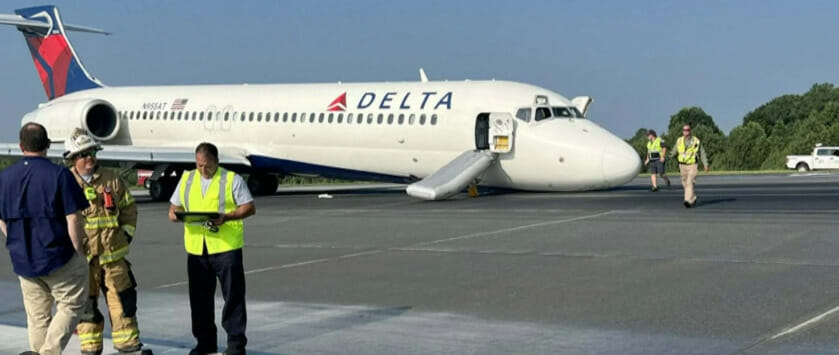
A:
(654, 148)
(687, 155)
(218, 198)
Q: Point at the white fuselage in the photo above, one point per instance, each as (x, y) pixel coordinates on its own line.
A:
(423, 126)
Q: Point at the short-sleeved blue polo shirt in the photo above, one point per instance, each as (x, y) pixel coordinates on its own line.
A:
(35, 198)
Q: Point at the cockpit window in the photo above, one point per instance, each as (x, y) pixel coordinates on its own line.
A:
(523, 114)
(542, 113)
(577, 112)
(562, 112)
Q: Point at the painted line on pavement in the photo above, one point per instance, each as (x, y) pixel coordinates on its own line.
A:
(804, 324)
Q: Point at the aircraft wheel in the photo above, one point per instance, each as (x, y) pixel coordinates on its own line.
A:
(262, 185)
(162, 189)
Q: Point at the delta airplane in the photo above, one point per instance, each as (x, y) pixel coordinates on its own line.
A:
(437, 136)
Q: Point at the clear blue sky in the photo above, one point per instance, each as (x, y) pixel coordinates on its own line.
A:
(641, 60)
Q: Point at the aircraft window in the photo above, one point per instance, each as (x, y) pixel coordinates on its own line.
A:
(434, 119)
(276, 117)
(145, 113)
(349, 118)
(401, 118)
(226, 116)
(209, 116)
(369, 118)
(577, 112)
(340, 118)
(294, 117)
(320, 118)
(285, 116)
(131, 115)
(259, 117)
(542, 113)
(267, 117)
(312, 117)
(166, 115)
(562, 112)
(422, 119)
(390, 119)
(523, 114)
(331, 117)
(380, 118)
(412, 119)
(158, 115)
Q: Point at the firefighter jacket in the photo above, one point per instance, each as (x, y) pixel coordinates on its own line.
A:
(111, 218)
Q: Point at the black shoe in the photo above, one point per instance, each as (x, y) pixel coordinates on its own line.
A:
(654, 189)
(196, 351)
(688, 204)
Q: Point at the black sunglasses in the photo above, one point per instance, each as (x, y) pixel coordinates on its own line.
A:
(90, 153)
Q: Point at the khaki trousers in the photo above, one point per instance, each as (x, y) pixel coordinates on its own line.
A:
(67, 288)
(688, 174)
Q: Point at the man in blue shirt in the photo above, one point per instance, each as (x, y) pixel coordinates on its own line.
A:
(40, 214)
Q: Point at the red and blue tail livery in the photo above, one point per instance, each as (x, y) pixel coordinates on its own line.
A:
(58, 66)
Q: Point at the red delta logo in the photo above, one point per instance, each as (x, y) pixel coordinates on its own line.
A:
(339, 104)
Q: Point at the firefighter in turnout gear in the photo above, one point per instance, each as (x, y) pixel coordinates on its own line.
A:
(110, 221)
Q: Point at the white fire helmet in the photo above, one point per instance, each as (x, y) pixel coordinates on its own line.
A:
(79, 141)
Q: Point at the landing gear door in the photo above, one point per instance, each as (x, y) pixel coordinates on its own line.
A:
(501, 128)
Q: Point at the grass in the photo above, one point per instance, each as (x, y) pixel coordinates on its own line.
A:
(732, 172)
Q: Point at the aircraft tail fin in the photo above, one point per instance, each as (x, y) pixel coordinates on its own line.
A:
(60, 69)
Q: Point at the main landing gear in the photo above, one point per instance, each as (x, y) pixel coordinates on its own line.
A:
(263, 184)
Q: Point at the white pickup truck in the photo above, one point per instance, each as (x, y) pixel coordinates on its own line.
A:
(821, 158)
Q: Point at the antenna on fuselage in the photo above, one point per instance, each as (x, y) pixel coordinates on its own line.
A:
(423, 77)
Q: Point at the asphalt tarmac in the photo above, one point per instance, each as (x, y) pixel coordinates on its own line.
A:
(753, 269)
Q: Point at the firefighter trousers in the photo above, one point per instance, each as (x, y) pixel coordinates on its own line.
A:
(117, 283)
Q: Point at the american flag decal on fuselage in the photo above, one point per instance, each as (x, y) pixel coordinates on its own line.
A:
(179, 104)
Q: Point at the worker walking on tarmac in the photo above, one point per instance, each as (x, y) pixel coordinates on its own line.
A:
(687, 147)
(110, 223)
(656, 152)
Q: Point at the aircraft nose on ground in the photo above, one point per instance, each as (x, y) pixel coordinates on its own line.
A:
(620, 164)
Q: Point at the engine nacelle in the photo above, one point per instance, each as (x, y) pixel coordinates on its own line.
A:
(97, 117)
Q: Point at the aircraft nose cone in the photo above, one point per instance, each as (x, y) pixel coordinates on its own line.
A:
(621, 164)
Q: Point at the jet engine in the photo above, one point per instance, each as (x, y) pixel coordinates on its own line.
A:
(96, 116)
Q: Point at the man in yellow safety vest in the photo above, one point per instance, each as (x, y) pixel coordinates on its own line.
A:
(214, 248)
(686, 149)
(655, 158)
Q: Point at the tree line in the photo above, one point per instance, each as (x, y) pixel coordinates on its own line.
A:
(786, 125)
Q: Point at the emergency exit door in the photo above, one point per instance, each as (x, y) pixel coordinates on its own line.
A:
(482, 132)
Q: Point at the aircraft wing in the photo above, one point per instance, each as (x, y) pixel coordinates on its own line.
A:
(140, 154)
